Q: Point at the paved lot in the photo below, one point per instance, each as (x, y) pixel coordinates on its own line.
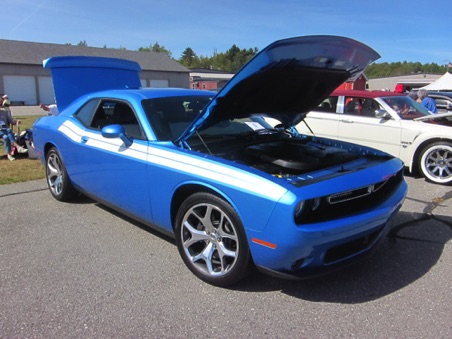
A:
(27, 110)
(81, 271)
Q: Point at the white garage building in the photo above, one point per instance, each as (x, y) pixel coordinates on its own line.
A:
(26, 82)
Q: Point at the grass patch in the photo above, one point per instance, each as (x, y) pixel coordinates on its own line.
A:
(22, 169)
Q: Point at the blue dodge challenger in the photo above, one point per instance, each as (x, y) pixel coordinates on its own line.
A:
(235, 191)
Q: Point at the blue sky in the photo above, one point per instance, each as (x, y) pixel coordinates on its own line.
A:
(398, 30)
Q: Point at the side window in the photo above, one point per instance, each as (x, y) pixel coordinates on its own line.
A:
(353, 106)
(85, 114)
(328, 105)
(121, 113)
(97, 114)
(370, 106)
(103, 115)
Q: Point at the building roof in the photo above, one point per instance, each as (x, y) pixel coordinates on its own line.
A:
(33, 53)
(203, 74)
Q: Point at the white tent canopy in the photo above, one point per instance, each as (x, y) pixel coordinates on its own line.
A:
(443, 83)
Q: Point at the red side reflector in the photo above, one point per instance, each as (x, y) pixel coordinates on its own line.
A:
(264, 243)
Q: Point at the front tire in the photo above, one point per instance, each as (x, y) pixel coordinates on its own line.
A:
(57, 178)
(211, 240)
(436, 162)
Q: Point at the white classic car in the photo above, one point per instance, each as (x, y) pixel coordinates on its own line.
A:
(391, 122)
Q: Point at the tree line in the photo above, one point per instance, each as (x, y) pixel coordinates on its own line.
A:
(385, 69)
(234, 58)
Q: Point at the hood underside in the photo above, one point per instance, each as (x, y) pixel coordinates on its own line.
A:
(287, 79)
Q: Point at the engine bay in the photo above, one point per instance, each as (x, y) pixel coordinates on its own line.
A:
(279, 154)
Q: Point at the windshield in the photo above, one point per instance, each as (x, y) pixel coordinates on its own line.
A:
(237, 127)
(170, 116)
(406, 108)
(233, 134)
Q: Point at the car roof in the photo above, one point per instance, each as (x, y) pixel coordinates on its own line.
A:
(151, 93)
(366, 94)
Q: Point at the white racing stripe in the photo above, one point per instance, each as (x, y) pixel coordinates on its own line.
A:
(181, 162)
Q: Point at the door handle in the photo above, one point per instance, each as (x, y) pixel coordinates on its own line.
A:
(348, 121)
(84, 139)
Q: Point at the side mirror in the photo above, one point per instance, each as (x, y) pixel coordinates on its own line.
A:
(116, 131)
(382, 114)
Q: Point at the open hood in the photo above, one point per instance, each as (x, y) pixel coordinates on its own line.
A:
(287, 79)
(74, 76)
(437, 116)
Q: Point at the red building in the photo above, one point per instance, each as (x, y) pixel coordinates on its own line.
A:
(208, 79)
(357, 84)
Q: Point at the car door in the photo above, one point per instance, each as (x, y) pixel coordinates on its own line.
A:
(323, 121)
(358, 124)
(107, 169)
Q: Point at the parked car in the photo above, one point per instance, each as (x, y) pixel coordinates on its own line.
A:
(391, 122)
(206, 169)
(443, 101)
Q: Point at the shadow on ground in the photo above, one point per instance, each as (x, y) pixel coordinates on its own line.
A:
(414, 246)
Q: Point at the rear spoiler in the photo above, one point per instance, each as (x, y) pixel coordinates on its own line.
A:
(74, 76)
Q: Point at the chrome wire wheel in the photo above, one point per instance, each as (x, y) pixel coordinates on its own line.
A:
(211, 240)
(436, 163)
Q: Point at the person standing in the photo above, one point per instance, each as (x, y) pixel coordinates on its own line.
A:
(51, 109)
(427, 102)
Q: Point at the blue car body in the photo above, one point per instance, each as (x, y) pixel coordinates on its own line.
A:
(305, 205)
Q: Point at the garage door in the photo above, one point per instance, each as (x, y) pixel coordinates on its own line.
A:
(159, 83)
(46, 94)
(20, 88)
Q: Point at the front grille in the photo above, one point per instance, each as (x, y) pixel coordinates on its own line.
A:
(350, 195)
(351, 202)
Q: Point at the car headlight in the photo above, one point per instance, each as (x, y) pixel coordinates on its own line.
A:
(306, 208)
(299, 208)
(315, 203)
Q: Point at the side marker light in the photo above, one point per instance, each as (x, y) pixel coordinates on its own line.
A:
(264, 243)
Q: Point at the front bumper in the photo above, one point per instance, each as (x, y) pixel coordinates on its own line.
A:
(316, 249)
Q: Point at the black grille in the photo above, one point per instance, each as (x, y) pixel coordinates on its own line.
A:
(351, 202)
(350, 248)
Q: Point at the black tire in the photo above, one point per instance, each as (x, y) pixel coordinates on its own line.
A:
(57, 178)
(211, 240)
(435, 162)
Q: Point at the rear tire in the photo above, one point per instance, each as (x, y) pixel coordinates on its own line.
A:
(57, 178)
(435, 162)
(211, 240)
